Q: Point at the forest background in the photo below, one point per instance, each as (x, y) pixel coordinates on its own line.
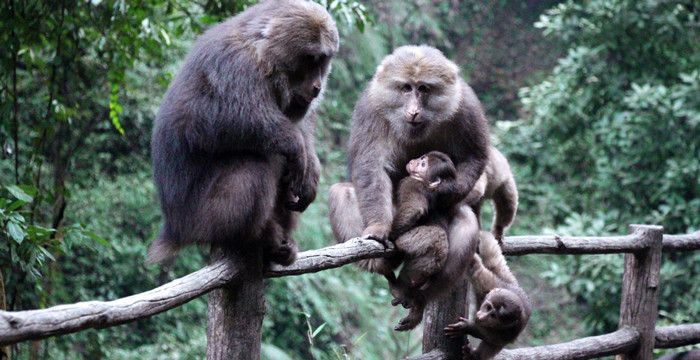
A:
(595, 103)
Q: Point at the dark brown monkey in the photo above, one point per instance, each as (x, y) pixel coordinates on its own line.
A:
(233, 149)
(498, 184)
(504, 308)
(426, 197)
(415, 103)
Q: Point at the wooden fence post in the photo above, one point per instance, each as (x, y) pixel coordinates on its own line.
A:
(441, 312)
(236, 310)
(640, 283)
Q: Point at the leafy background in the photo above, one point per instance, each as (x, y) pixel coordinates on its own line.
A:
(595, 103)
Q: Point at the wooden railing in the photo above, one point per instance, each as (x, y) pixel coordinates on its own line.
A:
(236, 304)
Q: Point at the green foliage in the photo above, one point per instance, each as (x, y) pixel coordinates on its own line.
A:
(611, 139)
(608, 137)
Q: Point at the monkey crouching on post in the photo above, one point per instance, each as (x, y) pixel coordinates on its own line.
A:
(504, 308)
(233, 142)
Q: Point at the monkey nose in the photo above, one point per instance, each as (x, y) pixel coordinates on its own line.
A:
(413, 118)
(316, 90)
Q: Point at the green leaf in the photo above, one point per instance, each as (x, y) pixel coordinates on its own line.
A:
(318, 330)
(98, 239)
(16, 232)
(18, 193)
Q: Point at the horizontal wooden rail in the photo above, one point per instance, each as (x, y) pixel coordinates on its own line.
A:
(684, 242)
(595, 346)
(331, 257)
(586, 348)
(63, 319)
(677, 335)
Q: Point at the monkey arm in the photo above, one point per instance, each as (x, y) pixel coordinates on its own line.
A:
(413, 205)
(374, 194)
(313, 165)
(463, 327)
(233, 111)
(469, 171)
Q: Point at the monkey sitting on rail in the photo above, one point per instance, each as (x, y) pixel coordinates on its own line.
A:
(504, 308)
(426, 198)
(498, 184)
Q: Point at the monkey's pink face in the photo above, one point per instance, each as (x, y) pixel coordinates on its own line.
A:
(418, 168)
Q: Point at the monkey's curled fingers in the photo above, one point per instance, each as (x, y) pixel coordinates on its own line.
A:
(378, 232)
(457, 329)
(309, 187)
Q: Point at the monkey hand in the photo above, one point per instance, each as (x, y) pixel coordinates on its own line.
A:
(378, 232)
(457, 329)
(301, 191)
(309, 186)
(299, 199)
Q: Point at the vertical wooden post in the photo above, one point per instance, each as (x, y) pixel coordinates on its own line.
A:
(440, 313)
(640, 284)
(236, 310)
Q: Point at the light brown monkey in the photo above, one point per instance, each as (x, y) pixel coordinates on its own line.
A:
(426, 197)
(498, 184)
(233, 142)
(415, 103)
(504, 308)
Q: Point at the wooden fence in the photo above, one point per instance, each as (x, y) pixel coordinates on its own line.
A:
(236, 303)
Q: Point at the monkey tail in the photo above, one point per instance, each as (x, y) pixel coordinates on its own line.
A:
(161, 250)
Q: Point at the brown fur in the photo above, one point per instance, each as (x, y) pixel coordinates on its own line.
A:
(498, 184)
(426, 197)
(415, 103)
(233, 142)
(504, 308)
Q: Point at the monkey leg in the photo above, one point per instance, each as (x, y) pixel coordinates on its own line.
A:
(505, 201)
(414, 317)
(279, 246)
(425, 250)
(238, 202)
(346, 222)
(463, 238)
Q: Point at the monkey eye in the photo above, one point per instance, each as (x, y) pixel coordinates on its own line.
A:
(406, 87)
(424, 88)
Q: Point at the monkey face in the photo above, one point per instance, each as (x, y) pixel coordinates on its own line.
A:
(306, 80)
(418, 168)
(432, 168)
(501, 308)
(418, 87)
(298, 41)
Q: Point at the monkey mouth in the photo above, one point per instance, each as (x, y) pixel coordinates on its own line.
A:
(298, 106)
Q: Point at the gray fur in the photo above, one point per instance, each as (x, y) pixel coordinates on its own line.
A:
(232, 146)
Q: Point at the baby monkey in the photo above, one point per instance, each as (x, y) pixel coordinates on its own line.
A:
(504, 308)
(425, 200)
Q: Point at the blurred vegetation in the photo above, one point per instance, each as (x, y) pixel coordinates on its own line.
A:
(595, 103)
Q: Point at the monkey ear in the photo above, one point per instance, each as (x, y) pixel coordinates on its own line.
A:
(434, 184)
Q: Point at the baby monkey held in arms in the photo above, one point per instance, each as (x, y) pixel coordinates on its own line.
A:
(426, 199)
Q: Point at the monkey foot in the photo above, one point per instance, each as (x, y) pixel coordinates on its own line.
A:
(403, 301)
(284, 254)
(414, 317)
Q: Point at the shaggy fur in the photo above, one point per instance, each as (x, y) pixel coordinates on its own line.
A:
(232, 146)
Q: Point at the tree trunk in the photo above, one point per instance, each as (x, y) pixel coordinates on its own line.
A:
(236, 310)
